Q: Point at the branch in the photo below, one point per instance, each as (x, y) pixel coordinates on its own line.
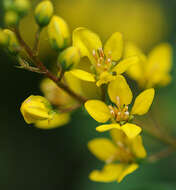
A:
(47, 73)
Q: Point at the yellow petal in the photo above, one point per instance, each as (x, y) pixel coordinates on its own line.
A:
(131, 130)
(109, 173)
(136, 71)
(165, 80)
(119, 90)
(114, 46)
(138, 147)
(127, 170)
(103, 128)
(143, 102)
(125, 64)
(118, 136)
(98, 110)
(58, 120)
(102, 148)
(35, 108)
(105, 77)
(86, 41)
(160, 59)
(83, 75)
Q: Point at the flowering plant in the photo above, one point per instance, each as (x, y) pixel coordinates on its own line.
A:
(104, 93)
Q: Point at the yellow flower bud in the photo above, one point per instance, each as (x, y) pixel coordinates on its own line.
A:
(43, 13)
(69, 57)
(11, 18)
(59, 34)
(36, 108)
(22, 6)
(4, 40)
(8, 5)
(13, 45)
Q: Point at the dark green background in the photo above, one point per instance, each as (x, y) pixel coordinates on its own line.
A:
(58, 159)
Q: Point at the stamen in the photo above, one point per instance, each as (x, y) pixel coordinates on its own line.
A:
(118, 101)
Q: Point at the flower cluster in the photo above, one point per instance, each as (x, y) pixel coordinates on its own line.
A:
(91, 75)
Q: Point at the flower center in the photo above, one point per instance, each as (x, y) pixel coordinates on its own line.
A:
(119, 112)
(103, 62)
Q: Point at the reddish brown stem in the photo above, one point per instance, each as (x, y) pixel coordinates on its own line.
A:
(46, 72)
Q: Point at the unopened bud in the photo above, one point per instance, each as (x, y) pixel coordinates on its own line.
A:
(11, 18)
(69, 57)
(8, 5)
(44, 13)
(59, 34)
(13, 45)
(22, 7)
(36, 108)
(4, 40)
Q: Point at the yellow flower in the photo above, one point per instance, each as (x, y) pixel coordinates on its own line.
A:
(121, 95)
(106, 62)
(36, 108)
(58, 120)
(58, 32)
(120, 156)
(152, 70)
(43, 13)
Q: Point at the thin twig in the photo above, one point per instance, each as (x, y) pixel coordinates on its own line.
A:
(48, 74)
(162, 154)
(37, 41)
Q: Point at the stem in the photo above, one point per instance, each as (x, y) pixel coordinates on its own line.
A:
(37, 41)
(162, 154)
(103, 92)
(47, 73)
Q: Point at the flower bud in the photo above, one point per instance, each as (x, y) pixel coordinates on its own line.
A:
(43, 13)
(69, 57)
(59, 34)
(4, 40)
(36, 108)
(8, 5)
(11, 18)
(22, 6)
(58, 120)
(13, 45)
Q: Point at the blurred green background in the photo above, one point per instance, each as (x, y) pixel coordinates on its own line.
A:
(59, 159)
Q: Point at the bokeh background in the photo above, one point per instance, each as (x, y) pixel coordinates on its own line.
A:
(59, 159)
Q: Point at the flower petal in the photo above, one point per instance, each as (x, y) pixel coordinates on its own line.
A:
(131, 130)
(143, 102)
(98, 110)
(160, 59)
(128, 170)
(102, 148)
(109, 173)
(86, 41)
(125, 64)
(120, 89)
(58, 120)
(118, 136)
(114, 46)
(105, 77)
(136, 71)
(83, 75)
(103, 128)
(138, 147)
